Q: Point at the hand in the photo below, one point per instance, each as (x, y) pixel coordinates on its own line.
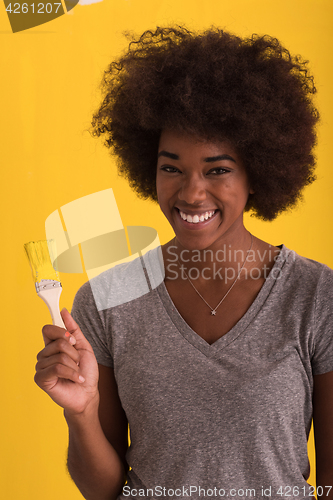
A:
(66, 368)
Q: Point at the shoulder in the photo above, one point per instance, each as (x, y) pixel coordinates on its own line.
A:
(84, 297)
(302, 284)
(307, 271)
(124, 282)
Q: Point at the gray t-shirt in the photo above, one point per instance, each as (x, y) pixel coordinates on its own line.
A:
(227, 419)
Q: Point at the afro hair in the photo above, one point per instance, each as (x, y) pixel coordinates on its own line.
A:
(217, 86)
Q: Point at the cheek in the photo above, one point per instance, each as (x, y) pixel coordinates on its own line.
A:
(230, 190)
(165, 189)
(159, 190)
(236, 192)
(162, 197)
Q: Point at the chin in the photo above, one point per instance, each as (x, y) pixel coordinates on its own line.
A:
(194, 243)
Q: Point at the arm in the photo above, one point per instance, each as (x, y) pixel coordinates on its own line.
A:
(98, 443)
(323, 431)
(96, 466)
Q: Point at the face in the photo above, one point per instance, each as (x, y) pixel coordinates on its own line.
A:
(202, 189)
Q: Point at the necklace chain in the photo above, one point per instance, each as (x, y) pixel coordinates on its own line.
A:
(213, 310)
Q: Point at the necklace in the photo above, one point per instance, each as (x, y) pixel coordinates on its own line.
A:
(213, 310)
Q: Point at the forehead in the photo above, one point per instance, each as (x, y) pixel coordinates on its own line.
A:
(186, 145)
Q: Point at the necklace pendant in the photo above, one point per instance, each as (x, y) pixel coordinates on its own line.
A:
(213, 311)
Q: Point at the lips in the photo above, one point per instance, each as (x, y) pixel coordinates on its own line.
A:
(196, 218)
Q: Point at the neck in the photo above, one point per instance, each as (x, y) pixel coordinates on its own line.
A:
(225, 256)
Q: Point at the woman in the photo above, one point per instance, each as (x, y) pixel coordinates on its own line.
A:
(220, 364)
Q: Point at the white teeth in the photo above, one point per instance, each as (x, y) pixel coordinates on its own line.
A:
(197, 218)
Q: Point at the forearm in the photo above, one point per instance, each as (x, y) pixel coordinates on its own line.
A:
(93, 463)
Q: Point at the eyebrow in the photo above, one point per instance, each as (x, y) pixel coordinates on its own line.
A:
(219, 158)
(210, 159)
(168, 155)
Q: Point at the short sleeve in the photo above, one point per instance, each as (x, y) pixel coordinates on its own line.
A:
(322, 356)
(92, 324)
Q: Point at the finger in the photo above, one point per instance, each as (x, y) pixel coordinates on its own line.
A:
(51, 333)
(49, 376)
(74, 329)
(59, 346)
(57, 359)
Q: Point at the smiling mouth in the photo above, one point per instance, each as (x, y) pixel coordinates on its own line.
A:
(196, 218)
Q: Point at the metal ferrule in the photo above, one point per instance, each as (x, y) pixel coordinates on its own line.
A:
(47, 285)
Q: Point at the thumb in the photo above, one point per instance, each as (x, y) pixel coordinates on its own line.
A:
(74, 329)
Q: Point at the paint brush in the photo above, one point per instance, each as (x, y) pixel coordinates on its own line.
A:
(47, 281)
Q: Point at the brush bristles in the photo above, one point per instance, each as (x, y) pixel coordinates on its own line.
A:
(40, 262)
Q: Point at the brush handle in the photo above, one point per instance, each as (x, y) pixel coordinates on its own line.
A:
(51, 298)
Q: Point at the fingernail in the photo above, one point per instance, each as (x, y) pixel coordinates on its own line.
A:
(82, 379)
(67, 334)
(64, 309)
(72, 340)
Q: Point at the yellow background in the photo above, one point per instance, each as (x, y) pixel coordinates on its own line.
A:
(49, 80)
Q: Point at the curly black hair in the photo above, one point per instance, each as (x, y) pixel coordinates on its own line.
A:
(218, 86)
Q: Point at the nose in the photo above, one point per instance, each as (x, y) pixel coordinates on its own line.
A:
(192, 190)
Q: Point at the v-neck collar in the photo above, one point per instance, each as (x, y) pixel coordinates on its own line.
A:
(210, 349)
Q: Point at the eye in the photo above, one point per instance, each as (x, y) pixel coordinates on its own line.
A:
(218, 171)
(169, 168)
